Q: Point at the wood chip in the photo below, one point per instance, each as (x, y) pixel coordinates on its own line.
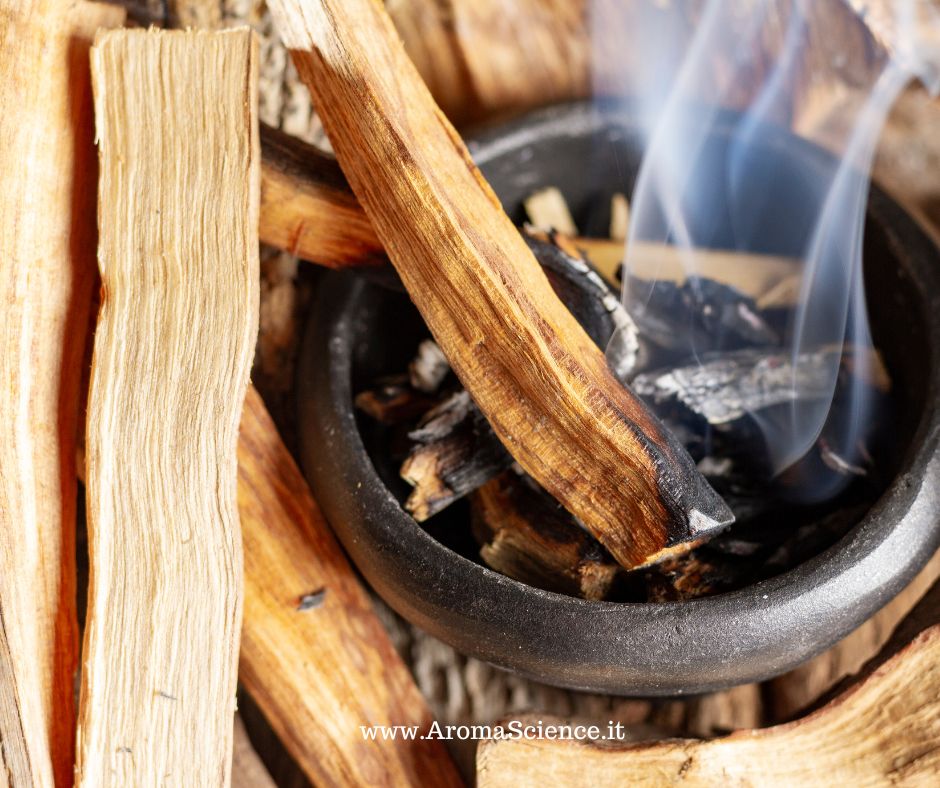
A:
(548, 210)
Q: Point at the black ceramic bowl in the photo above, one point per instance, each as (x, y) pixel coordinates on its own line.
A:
(359, 331)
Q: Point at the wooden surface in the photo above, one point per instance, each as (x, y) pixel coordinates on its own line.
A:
(314, 656)
(881, 730)
(178, 252)
(47, 271)
(512, 343)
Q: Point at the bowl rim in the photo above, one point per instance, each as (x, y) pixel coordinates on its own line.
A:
(637, 648)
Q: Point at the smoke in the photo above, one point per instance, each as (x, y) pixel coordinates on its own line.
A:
(727, 94)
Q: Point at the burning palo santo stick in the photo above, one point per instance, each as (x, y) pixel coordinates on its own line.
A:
(540, 380)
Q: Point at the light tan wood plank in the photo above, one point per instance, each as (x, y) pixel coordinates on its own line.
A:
(178, 251)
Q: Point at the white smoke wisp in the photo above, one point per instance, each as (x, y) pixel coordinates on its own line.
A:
(724, 104)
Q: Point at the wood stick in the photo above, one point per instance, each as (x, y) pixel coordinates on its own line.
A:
(308, 209)
(178, 214)
(314, 655)
(536, 375)
(47, 274)
(882, 730)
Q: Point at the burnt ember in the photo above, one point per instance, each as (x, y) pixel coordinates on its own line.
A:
(455, 452)
(724, 387)
(699, 313)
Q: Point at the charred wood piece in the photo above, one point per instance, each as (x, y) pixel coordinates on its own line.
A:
(457, 452)
(728, 386)
(699, 315)
(394, 401)
(528, 536)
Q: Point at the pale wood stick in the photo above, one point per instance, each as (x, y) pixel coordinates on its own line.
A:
(753, 275)
(536, 375)
(881, 730)
(178, 251)
(47, 273)
(315, 657)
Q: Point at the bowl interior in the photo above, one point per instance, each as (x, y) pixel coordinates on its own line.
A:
(591, 161)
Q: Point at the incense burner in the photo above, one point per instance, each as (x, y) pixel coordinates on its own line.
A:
(659, 649)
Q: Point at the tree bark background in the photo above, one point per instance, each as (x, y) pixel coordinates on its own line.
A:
(462, 690)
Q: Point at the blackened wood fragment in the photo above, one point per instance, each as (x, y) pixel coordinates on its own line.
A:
(527, 536)
(699, 315)
(725, 387)
(457, 452)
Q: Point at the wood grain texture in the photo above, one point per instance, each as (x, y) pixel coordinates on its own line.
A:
(536, 375)
(881, 730)
(793, 692)
(315, 657)
(308, 209)
(178, 252)
(47, 273)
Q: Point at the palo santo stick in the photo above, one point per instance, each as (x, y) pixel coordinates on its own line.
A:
(536, 375)
(314, 655)
(751, 274)
(178, 250)
(881, 731)
(308, 209)
(47, 274)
